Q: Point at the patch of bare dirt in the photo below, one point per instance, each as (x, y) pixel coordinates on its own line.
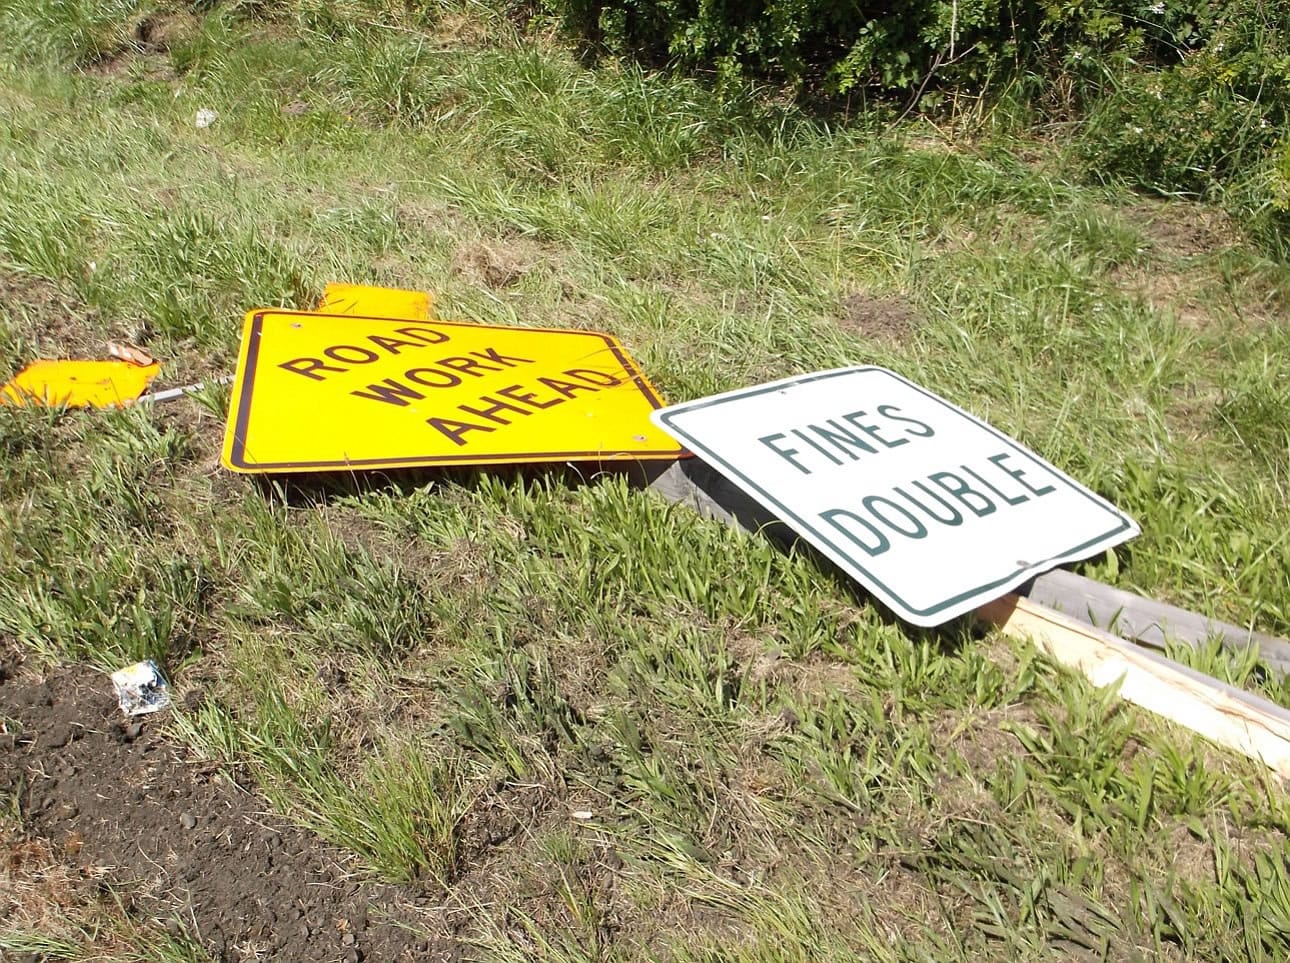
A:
(1189, 295)
(890, 319)
(1183, 229)
(982, 740)
(811, 679)
(1179, 234)
(430, 217)
(462, 29)
(50, 322)
(40, 893)
(146, 46)
(758, 661)
(192, 849)
(1191, 410)
(577, 895)
(1193, 858)
(159, 32)
(493, 265)
(54, 323)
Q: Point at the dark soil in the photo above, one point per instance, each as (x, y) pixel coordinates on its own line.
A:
(146, 47)
(885, 319)
(191, 848)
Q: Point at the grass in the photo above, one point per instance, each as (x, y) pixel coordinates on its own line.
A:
(436, 671)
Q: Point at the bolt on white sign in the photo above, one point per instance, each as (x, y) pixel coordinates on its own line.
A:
(930, 508)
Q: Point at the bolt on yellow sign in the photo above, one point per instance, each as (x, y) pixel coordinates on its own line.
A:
(323, 392)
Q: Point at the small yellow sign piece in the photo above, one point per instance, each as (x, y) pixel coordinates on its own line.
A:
(79, 384)
(325, 392)
(365, 301)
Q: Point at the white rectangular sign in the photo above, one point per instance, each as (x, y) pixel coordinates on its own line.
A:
(930, 508)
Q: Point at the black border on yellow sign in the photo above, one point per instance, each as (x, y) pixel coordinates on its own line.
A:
(246, 383)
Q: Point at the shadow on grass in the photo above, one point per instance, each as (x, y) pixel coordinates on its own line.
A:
(688, 481)
(314, 489)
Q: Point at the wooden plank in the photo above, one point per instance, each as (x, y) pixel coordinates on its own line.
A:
(1147, 621)
(1221, 713)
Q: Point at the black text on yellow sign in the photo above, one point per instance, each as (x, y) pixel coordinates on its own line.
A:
(320, 392)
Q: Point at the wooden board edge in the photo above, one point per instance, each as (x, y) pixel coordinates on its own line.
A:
(1222, 714)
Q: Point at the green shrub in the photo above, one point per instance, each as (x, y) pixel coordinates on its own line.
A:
(1215, 124)
(837, 47)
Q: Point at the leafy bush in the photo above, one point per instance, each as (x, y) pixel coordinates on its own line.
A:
(1215, 124)
(837, 47)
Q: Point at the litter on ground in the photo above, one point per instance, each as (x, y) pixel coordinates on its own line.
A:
(140, 689)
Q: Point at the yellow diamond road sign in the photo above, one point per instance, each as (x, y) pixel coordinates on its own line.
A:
(322, 392)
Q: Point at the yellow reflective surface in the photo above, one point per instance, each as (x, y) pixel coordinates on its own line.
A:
(78, 384)
(317, 392)
(364, 300)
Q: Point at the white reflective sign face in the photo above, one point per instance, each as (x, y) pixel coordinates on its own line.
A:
(931, 509)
